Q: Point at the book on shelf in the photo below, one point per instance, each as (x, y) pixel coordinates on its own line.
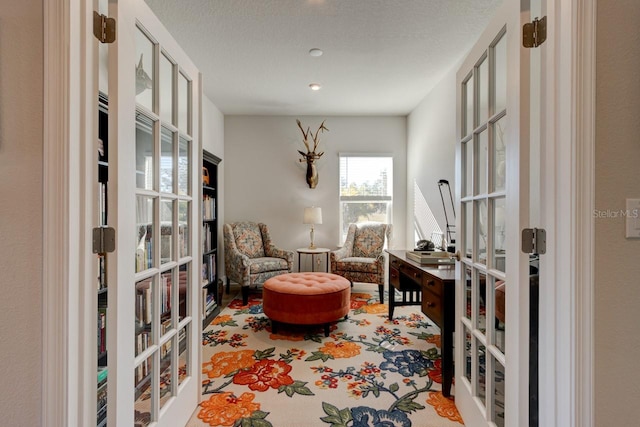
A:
(101, 400)
(144, 259)
(165, 349)
(208, 302)
(142, 343)
(205, 274)
(102, 203)
(102, 278)
(143, 304)
(208, 208)
(211, 261)
(165, 295)
(102, 330)
(206, 237)
(166, 325)
(102, 375)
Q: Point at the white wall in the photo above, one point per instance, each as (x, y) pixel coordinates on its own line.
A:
(617, 271)
(265, 182)
(21, 148)
(431, 150)
(213, 142)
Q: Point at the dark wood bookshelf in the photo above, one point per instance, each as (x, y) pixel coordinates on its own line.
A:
(210, 283)
(101, 282)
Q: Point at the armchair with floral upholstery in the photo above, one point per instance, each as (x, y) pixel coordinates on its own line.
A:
(250, 257)
(361, 258)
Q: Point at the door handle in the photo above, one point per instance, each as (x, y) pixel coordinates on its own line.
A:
(456, 256)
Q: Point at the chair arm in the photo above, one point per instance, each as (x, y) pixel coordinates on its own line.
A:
(236, 263)
(238, 258)
(275, 252)
(338, 254)
(237, 267)
(381, 261)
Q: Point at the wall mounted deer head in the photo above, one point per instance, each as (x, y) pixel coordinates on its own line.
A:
(311, 156)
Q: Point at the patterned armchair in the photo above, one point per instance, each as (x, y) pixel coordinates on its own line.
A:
(250, 256)
(361, 258)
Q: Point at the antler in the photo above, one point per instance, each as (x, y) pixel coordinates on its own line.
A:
(305, 134)
(316, 141)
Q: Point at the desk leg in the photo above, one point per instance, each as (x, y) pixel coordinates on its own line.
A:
(392, 300)
(313, 262)
(447, 361)
(299, 266)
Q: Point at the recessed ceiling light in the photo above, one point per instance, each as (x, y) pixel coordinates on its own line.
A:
(315, 86)
(316, 52)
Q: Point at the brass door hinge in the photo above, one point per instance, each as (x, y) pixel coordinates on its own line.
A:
(534, 241)
(104, 240)
(104, 28)
(534, 33)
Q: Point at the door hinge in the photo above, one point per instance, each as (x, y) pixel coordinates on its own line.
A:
(534, 33)
(534, 241)
(104, 240)
(104, 28)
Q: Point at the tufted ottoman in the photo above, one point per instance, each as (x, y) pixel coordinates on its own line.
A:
(306, 299)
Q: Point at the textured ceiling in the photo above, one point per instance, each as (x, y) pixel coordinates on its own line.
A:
(381, 57)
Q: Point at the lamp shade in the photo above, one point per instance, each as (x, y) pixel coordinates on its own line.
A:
(312, 215)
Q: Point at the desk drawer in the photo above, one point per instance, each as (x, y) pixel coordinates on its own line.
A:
(394, 277)
(394, 262)
(433, 285)
(415, 274)
(432, 307)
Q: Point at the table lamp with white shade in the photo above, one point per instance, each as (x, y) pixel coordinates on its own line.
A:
(312, 215)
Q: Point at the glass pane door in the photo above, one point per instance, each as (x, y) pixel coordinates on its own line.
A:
(492, 278)
(164, 227)
(154, 99)
(484, 325)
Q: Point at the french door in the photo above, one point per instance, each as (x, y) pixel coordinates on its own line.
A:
(492, 185)
(153, 312)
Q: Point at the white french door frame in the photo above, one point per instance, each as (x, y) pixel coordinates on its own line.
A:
(68, 368)
(477, 403)
(567, 195)
(131, 15)
(566, 281)
(70, 124)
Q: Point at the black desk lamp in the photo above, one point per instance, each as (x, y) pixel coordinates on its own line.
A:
(451, 241)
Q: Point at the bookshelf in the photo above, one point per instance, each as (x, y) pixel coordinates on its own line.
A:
(102, 283)
(210, 285)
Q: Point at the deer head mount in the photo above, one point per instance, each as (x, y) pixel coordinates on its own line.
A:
(311, 156)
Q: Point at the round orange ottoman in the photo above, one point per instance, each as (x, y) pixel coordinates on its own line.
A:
(306, 299)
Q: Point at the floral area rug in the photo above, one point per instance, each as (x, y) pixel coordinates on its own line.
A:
(368, 372)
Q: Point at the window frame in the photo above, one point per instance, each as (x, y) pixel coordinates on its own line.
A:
(388, 199)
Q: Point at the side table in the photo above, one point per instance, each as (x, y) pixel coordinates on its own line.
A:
(313, 252)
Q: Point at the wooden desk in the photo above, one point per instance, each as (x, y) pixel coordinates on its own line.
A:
(433, 288)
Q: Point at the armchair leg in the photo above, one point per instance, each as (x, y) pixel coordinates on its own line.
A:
(245, 295)
(381, 292)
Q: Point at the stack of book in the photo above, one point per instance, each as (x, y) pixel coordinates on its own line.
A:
(430, 257)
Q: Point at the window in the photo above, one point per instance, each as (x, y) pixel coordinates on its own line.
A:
(366, 189)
